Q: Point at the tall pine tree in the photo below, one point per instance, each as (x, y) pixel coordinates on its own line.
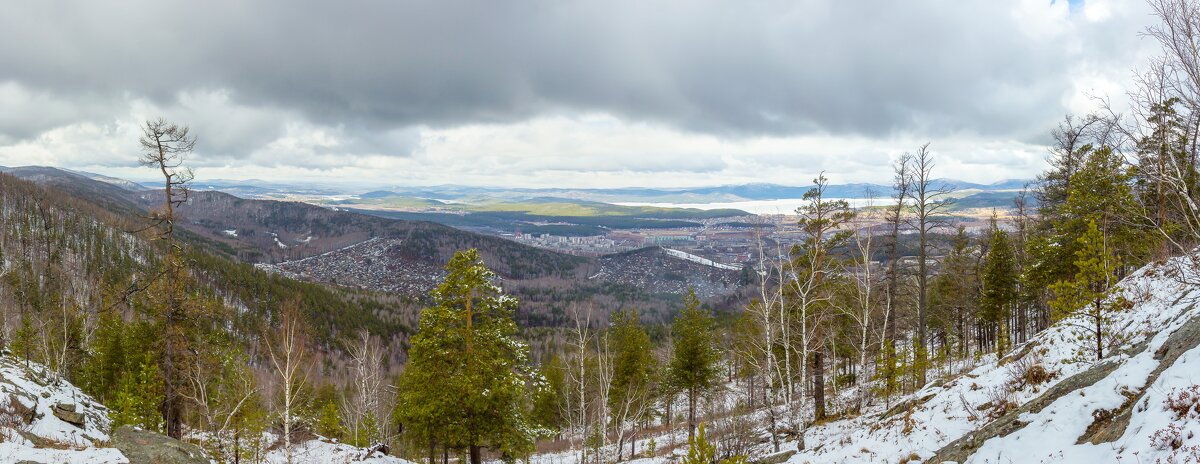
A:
(465, 385)
(999, 277)
(693, 368)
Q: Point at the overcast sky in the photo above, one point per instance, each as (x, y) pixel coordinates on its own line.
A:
(562, 92)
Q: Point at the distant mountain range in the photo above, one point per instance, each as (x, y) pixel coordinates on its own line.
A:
(999, 192)
(714, 194)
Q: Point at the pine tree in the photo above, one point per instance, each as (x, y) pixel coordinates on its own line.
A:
(466, 378)
(815, 280)
(1099, 191)
(894, 218)
(929, 200)
(693, 369)
(137, 396)
(549, 401)
(633, 368)
(1166, 170)
(1088, 294)
(700, 450)
(955, 291)
(165, 147)
(999, 278)
(328, 418)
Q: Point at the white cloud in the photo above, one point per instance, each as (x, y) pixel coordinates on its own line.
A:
(594, 94)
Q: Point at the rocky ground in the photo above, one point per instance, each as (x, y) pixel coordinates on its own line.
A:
(47, 420)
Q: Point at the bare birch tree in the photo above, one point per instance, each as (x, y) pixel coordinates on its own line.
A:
(365, 409)
(864, 302)
(287, 351)
(575, 409)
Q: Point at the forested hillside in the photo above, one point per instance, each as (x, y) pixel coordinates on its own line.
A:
(403, 258)
(81, 292)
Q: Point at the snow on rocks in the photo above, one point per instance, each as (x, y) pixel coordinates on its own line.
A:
(55, 411)
(17, 452)
(1162, 302)
(46, 419)
(323, 451)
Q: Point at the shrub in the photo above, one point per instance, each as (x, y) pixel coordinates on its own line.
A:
(1184, 402)
(1028, 371)
(735, 436)
(1000, 401)
(1169, 438)
(14, 416)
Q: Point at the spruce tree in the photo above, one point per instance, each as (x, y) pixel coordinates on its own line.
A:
(693, 369)
(999, 276)
(465, 385)
(955, 291)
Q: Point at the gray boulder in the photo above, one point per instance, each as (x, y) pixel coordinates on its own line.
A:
(143, 447)
(68, 414)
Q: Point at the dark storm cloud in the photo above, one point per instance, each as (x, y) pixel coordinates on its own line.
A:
(727, 68)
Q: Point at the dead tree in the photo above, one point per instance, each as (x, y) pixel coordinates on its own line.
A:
(165, 147)
(929, 199)
(895, 219)
(1173, 76)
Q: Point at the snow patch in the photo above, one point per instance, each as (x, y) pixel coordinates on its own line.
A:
(322, 451)
(700, 260)
(14, 452)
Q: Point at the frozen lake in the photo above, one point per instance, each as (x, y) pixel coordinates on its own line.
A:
(780, 206)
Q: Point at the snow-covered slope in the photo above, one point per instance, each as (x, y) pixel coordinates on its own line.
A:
(44, 419)
(990, 414)
(48, 420)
